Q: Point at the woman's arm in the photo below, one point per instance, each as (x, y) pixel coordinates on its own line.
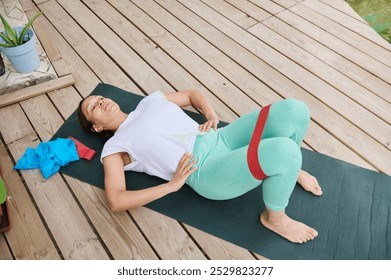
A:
(198, 100)
(120, 199)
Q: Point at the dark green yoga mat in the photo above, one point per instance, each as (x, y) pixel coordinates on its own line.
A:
(352, 217)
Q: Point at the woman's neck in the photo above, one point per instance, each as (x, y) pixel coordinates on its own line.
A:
(118, 121)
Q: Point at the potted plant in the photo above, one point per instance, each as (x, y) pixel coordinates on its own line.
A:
(5, 223)
(18, 44)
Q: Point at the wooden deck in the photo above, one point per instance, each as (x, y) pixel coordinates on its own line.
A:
(241, 53)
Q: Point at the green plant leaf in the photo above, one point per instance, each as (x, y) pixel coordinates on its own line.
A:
(3, 192)
(380, 27)
(5, 45)
(27, 26)
(371, 18)
(6, 39)
(9, 31)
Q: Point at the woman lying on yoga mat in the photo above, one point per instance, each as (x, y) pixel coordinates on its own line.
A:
(158, 138)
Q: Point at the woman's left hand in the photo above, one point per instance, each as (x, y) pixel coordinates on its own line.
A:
(184, 170)
(211, 123)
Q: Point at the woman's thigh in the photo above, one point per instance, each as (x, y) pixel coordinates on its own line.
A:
(225, 176)
(287, 118)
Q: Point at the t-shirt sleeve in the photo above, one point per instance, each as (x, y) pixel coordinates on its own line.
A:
(153, 97)
(107, 150)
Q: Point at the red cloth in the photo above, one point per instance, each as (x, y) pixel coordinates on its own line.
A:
(82, 150)
(252, 152)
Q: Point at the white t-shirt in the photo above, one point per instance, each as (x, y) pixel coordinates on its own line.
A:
(155, 135)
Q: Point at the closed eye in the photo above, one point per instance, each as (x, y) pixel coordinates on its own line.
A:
(94, 106)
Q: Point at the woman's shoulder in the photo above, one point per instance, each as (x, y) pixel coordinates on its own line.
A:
(112, 146)
(157, 94)
(151, 98)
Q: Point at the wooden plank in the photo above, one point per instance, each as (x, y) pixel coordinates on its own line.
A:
(12, 129)
(330, 57)
(61, 67)
(352, 40)
(358, 26)
(340, 47)
(380, 109)
(79, 52)
(26, 5)
(285, 3)
(250, 9)
(268, 6)
(168, 238)
(363, 96)
(332, 122)
(28, 237)
(35, 90)
(153, 53)
(51, 50)
(323, 141)
(65, 220)
(43, 116)
(5, 253)
(211, 80)
(241, 18)
(219, 249)
(40, 1)
(66, 100)
(142, 74)
(186, 41)
(85, 79)
(120, 234)
(345, 8)
(329, 93)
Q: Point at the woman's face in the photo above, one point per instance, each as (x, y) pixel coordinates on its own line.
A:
(100, 111)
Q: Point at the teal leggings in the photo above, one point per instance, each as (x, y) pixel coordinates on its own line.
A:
(223, 172)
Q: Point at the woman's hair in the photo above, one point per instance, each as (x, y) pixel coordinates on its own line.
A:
(88, 126)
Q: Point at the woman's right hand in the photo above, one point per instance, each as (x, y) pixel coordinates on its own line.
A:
(184, 170)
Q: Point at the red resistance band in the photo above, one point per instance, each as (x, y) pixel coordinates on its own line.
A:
(82, 150)
(252, 153)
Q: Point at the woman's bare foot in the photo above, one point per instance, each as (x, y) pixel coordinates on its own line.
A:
(309, 183)
(288, 228)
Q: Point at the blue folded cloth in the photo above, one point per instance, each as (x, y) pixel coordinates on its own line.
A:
(49, 156)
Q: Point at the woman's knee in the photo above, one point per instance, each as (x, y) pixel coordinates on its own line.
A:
(280, 155)
(295, 109)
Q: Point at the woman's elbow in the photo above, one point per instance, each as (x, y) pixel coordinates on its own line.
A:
(114, 207)
(196, 94)
(114, 203)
